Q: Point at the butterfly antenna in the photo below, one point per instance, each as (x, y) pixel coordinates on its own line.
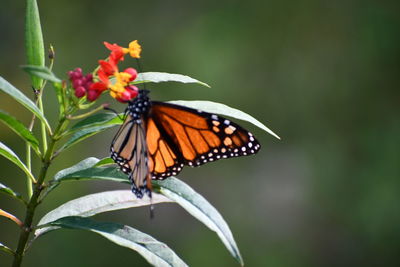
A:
(141, 72)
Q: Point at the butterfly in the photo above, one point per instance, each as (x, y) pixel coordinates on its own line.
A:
(157, 139)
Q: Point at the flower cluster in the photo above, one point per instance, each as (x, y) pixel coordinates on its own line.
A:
(108, 76)
(80, 83)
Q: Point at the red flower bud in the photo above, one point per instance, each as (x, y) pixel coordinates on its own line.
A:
(92, 95)
(70, 74)
(89, 77)
(80, 91)
(98, 86)
(124, 97)
(133, 90)
(132, 72)
(77, 83)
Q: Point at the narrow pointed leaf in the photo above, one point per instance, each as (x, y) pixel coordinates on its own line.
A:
(199, 208)
(34, 39)
(155, 252)
(83, 134)
(157, 77)
(20, 129)
(82, 165)
(10, 155)
(9, 89)
(105, 161)
(11, 217)
(41, 72)
(175, 190)
(222, 109)
(8, 191)
(96, 173)
(99, 119)
(6, 249)
(93, 204)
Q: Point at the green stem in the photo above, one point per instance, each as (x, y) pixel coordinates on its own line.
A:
(34, 200)
(42, 125)
(28, 155)
(28, 165)
(87, 114)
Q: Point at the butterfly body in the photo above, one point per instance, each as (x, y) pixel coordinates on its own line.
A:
(158, 139)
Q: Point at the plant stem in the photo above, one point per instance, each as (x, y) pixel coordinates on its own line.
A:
(87, 114)
(33, 202)
(28, 153)
(28, 165)
(42, 125)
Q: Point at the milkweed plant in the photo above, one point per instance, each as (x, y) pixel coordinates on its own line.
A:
(79, 117)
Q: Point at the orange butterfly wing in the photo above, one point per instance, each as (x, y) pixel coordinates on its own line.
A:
(157, 139)
(195, 137)
(163, 159)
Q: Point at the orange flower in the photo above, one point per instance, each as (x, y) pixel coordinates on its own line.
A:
(109, 68)
(119, 87)
(121, 90)
(118, 52)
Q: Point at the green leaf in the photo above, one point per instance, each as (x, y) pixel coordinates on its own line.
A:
(82, 165)
(83, 134)
(21, 130)
(199, 208)
(11, 217)
(155, 252)
(6, 249)
(105, 161)
(222, 109)
(157, 77)
(42, 72)
(34, 39)
(97, 173)
(7, 88)
(98, 119)
(10, 155)
(8, 191)
(175, 190)
(93, 204)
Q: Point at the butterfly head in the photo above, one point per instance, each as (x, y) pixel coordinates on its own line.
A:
(140, 105)
(143, 93)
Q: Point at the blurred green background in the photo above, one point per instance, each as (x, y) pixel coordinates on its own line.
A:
(324, 75)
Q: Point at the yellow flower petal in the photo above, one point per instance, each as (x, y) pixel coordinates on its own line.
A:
(135, 49)
(123, 77)
(118, 88)
(113, 94)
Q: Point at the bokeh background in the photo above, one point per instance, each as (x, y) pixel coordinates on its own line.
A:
(324, 75)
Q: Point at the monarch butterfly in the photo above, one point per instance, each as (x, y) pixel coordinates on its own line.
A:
(157, 139)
